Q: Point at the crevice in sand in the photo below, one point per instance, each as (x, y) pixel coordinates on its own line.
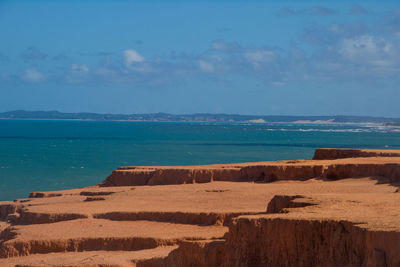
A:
(200, 218)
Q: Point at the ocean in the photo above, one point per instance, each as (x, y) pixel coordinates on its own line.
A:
(38, 155)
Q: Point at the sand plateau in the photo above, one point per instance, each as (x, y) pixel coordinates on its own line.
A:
(340, 208)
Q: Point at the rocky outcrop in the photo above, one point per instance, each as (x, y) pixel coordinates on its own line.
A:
(43, 194)
(340, 171)
(274, 241)
(280, 203)
(129, 176)
(255, 172)
(337, 153)
(7, 208)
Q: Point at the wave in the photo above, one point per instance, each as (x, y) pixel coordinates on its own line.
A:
(310, 145)
(359, 130)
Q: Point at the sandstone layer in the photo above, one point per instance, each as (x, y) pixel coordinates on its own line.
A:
(375, 163)
(335, 153)
(334, 210)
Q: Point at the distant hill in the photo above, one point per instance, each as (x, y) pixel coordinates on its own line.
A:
(198, 117)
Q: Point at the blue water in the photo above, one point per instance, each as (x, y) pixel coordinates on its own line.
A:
(52, 155)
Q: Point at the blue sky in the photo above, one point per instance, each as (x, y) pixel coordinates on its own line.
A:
(247, 57)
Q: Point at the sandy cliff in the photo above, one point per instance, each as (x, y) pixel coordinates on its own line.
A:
(334, 210)
(335, 153)
(327, 163)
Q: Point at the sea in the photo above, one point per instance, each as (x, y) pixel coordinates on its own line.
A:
(42, 155)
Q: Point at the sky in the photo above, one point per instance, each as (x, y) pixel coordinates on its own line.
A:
(183, 57)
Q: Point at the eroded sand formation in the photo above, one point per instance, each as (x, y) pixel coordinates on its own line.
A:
(339, 209)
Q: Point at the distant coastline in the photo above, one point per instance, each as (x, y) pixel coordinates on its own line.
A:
(198, 117)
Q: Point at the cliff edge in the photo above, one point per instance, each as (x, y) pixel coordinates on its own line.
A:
(326, 163)
(333, 210)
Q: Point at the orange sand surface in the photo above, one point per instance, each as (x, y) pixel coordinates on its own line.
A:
(341, 211)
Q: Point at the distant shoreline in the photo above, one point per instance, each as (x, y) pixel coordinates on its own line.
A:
(198, 118)
(217, 122)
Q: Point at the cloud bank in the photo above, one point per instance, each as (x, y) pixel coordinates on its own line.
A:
(339, 51)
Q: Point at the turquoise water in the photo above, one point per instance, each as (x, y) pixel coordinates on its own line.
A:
(52, 155)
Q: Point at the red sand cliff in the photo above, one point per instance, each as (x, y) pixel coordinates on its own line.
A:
(339, 209)
(327, 163)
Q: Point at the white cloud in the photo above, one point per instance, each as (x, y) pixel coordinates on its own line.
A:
(224, 46)
(218, 46)
(205, 66)
(32, 75)
(368, 49)
(79, 68)
(78, 73)
(260, 56)
(131, 56)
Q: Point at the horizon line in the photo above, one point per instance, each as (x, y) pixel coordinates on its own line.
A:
(198, 113)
